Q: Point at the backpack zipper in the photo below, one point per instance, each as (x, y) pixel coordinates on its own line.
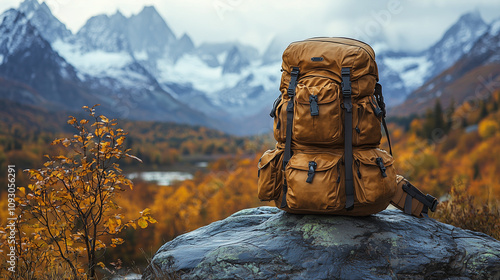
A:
(338, 172)
(310, 172)
(314, 108)
(380, 164)
(360, 115)
(358, 164)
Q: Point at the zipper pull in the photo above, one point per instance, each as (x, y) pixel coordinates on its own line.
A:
(310, 173)
(357, 171)
(380, 164)
(313, 100)
(338, 172)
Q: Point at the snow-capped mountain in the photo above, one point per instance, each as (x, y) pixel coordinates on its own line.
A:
(26, 57)
(65, 76)
(138, 68)
(44, 21)
(456, 42)
(402, 73)
(476, 75)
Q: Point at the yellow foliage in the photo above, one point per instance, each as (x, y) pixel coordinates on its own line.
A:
(142, 222)
(68, 212)
(487, 128)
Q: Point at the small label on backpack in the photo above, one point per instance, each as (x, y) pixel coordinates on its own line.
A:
(317, 58)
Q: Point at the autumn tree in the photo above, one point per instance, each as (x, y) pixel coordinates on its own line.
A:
(70, 209)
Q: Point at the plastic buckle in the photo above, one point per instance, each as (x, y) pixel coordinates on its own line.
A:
(434, 202)
(346, 82)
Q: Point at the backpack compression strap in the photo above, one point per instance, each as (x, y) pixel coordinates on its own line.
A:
(294, 74)
(380, 100)
(428, 201)
(349, 180)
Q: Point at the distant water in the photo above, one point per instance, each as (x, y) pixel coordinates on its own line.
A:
(162, 178)
(132, 276)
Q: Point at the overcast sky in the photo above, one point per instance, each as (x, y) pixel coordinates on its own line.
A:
(407, 24)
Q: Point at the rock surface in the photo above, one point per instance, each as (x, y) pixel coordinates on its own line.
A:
(267, 243)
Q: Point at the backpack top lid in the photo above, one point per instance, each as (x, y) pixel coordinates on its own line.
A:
(325, 56)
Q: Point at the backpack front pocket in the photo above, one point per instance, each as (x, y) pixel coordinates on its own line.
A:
(374, 176)
(316, 117)
(270, 175)
(314, 182)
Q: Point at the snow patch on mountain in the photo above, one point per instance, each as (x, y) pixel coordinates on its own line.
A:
(192, 70)
(495, 28)
(413, 70)
(94, 63)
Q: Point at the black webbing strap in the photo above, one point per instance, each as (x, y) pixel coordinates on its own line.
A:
(294, 74)
(349, 178)
(428, 201)
(380, 100)
(408, 205)
(384, 124)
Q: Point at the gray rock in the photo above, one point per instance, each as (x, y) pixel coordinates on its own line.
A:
(267, 243)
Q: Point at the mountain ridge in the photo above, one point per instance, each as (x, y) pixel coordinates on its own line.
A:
(475, 75)
(221, 83)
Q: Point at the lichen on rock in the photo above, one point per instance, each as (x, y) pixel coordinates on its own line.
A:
(267, 243)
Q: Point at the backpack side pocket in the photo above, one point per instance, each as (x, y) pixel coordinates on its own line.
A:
(270, 175)
(374, 176)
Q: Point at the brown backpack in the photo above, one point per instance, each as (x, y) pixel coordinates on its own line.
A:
(327, 124)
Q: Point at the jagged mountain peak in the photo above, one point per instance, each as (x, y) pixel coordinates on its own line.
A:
(42, 18)
(235, 61)
(28, 6)
(150, 16)
(117, 16)
(494, 28)
(148, 32)
(457, 41)
(149, 11)
(467, 28)
(471, 17)
(185, 38)
(17, 33)
(103, 32)
(186, 43)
